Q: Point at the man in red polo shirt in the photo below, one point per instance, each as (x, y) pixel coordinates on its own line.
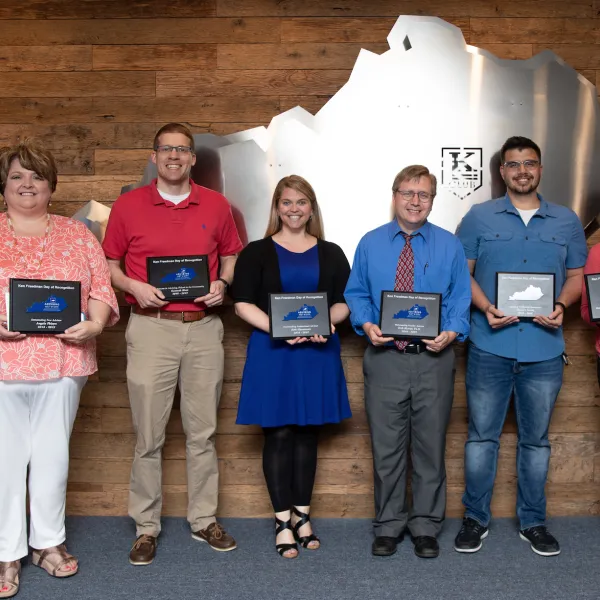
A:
(173, 342)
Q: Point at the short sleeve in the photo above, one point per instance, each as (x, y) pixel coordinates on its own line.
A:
(247, 276)
(101, 288)
(468, 234)
(229, 240)
(577, 248)
(116, 240)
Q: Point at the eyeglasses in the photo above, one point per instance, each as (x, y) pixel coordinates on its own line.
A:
(169, 149)
(410, 194)
(528, 164)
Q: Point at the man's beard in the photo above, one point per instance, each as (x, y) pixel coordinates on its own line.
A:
(521, 190)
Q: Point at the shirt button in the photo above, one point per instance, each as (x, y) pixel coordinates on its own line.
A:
(526, 237)
(524, 260)
(520, 329)
(497, 235)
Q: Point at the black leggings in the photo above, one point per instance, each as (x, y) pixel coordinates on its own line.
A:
(290, 464)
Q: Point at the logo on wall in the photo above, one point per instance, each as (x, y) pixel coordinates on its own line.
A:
(462, 170)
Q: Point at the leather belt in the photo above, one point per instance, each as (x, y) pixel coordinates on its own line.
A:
(186, 316)
(412, 348)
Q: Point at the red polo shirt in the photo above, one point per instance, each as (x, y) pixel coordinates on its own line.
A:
(143, 224)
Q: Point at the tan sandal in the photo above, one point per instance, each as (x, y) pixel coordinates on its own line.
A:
(9, 578)
(52, 560)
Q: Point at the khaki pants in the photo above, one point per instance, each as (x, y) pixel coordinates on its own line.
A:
(160, 354)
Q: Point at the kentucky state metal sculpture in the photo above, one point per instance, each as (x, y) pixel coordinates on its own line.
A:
(430, 99)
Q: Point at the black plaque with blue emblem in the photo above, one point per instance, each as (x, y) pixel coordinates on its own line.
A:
(299, 315)
(43, 306)
(179, 278)
(592, 288)
(410, 315)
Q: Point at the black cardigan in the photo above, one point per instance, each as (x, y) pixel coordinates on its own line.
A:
(257, 273)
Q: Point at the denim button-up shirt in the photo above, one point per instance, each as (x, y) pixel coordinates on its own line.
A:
(494, 235)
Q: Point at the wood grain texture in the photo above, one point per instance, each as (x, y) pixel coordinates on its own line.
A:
(292, 56)
(393, 8)
(255, 82)
(106, 9)
(579, 56)
(154, 57)
(43, 58)
(101, 31)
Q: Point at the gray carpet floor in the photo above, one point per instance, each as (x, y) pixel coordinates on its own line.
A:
(505, 569)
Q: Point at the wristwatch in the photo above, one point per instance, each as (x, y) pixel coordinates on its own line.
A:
(224, 281)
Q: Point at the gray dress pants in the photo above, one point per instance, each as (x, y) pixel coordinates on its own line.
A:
(408, 399)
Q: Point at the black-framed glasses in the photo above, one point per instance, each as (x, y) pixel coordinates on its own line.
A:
(516, 164)
(408, 195)
(169, 149)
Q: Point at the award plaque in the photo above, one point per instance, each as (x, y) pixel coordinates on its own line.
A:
(43, 306)
(525, 295)
(410, 315)
(592, 288)
(298, 315)
(179, 277)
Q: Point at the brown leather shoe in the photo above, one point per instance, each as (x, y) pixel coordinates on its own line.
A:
(216, 537)
(143, 551)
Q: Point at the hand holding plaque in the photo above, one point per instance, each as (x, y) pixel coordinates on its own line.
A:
(43, 306)
(299, 315)
(410, 315)
(179, 278)
(525, 295)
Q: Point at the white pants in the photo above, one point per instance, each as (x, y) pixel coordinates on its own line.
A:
(36, 419)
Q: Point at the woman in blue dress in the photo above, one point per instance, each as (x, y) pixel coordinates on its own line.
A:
(290, 388)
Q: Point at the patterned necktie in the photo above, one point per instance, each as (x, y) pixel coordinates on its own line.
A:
(405, 276)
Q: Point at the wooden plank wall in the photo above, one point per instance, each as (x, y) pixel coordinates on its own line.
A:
(95, 79)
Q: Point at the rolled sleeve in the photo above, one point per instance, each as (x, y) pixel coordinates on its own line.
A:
(456, 315)
(116, 240)
(577, 248)
(357, 293)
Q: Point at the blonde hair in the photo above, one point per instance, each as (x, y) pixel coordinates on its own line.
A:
(415, 172)
(33, 157)
(299, 184)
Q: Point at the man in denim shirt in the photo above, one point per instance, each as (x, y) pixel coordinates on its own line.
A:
(520, 232)
(409, 388)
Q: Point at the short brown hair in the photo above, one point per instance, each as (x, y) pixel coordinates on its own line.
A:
(33, 157)
(174, 128)
(415, 172)
(295, 182)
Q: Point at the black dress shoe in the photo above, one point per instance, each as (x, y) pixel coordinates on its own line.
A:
(426, 546)
(384, 546)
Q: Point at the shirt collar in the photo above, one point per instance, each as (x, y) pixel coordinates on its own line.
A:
(424, 230)
(505, 205)
(194, 197)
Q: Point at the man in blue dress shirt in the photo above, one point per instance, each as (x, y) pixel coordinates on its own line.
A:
(520, 232)
(409, 388)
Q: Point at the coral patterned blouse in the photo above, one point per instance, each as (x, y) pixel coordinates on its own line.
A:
(72, 253)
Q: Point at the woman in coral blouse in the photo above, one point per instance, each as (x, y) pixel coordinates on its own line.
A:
(41, 376)
(592, 266)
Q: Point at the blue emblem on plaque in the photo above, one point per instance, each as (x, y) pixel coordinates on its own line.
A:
(184, 274)
(416, 311)
(304, 313)
(53, 304)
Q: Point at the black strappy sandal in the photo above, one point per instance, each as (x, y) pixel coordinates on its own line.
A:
(305, 540)
(283, 548)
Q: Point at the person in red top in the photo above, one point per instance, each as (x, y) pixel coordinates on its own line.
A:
(592, 266)
(170, 343)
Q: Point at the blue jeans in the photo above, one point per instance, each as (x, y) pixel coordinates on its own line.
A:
(491, 381)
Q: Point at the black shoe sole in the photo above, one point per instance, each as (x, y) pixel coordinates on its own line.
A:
(430, 554)
(472, 550)
(539, 552)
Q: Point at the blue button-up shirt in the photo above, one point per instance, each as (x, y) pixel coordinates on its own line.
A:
(494, 235)
(440, 267)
